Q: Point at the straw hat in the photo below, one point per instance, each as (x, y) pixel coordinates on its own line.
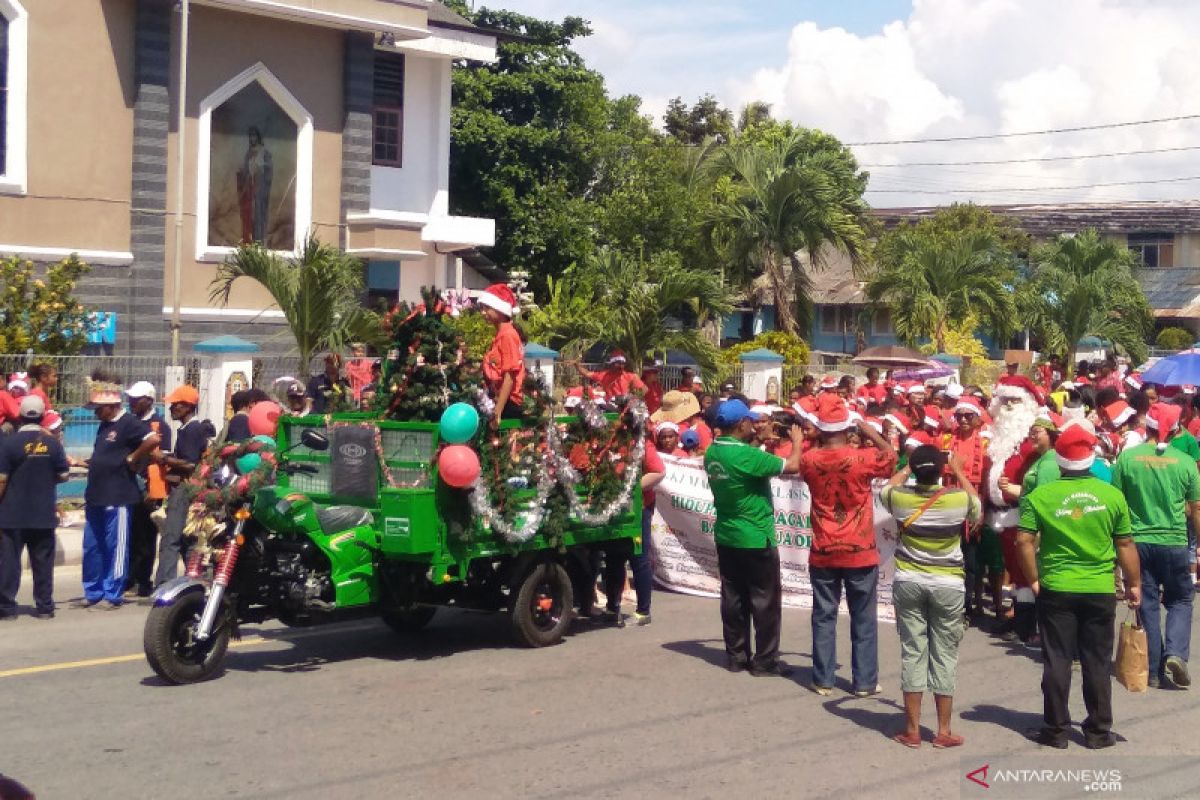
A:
(676, 407)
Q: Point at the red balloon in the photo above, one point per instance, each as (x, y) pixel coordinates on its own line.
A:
(263, 418)
(458, 465)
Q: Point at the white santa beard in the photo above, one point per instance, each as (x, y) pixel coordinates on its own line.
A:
(1010, 427)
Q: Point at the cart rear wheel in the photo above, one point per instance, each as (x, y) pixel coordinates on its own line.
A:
(542, 610)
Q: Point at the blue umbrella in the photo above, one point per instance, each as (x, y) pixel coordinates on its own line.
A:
(1181, 369)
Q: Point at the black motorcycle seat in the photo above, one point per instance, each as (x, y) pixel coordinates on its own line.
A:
(336, 519)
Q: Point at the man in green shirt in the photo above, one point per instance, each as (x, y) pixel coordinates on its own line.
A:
(1162, 486)
(1084, 526)
(739, 475)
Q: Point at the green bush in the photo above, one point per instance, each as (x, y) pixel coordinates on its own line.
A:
(1174, 339)
(795, 351)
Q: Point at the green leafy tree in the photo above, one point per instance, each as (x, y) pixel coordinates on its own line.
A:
(319, 293)
(931, 282)
(795, 351)
(789, 190)
(1085, 285)
(526, 139)
(753, 114)
(41, 313)
(644, 309)
(704, 121)
(1174, 339)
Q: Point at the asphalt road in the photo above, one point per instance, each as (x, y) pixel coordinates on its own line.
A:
(354, 711)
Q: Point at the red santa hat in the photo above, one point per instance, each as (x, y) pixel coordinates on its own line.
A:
(51, 421)
(1075, 448)
(1017, 387)
(932, 417)
(18, 380)
(897, 422)
(920, 439)
(915, 387)
(968, 405)
(617, 357)
(501, 298)
(832, 414)
(1134, 379)
(1118, 412)
(1164, 418)
(875, 423)
(954, 391)
(828, 383)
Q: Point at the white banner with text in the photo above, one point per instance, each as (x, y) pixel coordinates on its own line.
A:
(685, 555)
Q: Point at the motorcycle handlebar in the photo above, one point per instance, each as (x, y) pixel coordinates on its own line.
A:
(308, 469)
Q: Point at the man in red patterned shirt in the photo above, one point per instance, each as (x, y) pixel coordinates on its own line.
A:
(844, 552)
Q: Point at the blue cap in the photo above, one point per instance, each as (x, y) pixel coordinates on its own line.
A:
(731, 412)
(689, 439)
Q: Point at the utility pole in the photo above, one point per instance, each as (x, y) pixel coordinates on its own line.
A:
(180, 155)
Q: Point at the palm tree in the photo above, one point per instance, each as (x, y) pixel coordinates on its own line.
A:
(791, 193)
(932, 282)
(1084, 285)
(643, 309)
(319, 292)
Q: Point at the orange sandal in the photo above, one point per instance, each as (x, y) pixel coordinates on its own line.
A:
(948, 740)
(903, 738)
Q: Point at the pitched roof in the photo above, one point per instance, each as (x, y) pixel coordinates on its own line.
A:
(1172, 292)
(1157, 216)
(442, 17)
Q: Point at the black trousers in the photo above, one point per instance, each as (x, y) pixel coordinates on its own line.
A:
(143, 546)
(1083, 624)
(750, 590)
(40, 543)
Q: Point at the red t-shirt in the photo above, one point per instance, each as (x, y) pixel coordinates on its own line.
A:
(358, 375)
(617, 382)
(702, 430)
(653, 398)
(872, 394)
(651, 462)
(10, 408)
(972, 452)
(843, 519)
(1194, 426)
(506, 356)
(40, 392)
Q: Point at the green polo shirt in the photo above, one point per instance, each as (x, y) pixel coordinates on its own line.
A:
(1184, 442)
(1158, 487)
(1078, 519)
(1045, 469)
(739, 476)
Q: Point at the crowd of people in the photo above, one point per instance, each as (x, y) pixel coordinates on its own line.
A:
(1063, 496)
(135, 510)
(1053, 499)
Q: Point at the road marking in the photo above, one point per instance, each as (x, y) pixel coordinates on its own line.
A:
(249, 641)
(100, 662)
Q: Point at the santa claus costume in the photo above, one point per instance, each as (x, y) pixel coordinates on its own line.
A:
(1015, 408)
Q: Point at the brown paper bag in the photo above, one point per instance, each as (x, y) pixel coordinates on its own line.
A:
(1133, 659)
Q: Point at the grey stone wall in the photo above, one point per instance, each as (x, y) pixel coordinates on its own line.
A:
(357, 125)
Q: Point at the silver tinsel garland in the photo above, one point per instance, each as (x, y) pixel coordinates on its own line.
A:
(559, 471)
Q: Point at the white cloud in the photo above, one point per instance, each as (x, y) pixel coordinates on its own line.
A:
(964, 67)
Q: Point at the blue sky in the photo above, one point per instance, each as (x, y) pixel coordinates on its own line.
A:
(868, 70)
(659, 49)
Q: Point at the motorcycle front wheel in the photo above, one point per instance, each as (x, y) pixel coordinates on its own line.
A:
(171, 645)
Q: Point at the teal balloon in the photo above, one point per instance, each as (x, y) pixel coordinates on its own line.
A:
(459, 423)
(248, 463)
(267, 441)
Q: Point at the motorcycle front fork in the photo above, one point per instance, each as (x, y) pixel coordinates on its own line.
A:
(221, 580)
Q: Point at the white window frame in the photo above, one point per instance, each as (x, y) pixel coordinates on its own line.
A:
(14, 179)
(304, 156)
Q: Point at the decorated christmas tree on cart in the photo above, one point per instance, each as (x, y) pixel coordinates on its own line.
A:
(520, 478)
